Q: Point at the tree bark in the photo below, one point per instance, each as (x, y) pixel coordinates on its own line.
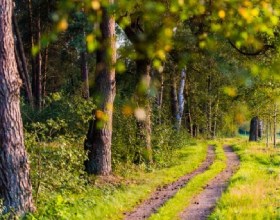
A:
(84, 73)
(181, 99)
(189, 121)
(274, 125)
(267, 131)
(15, 185)
(160, 98)
(254, 129)
(19, 67)
(174, 100)
(21, 55)
(84, 65)
(38, 67)
(143, 68)
(36, 61)
(44, 73)
(209, 108)
(99, 138)
(260, 129)
(215, 119)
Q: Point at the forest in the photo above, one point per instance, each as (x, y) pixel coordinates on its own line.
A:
(147, 109)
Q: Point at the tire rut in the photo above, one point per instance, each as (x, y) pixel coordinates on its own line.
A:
(202, 205)
(161, 195)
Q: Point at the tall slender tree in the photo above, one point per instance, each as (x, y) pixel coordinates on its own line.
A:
(22, 61)
(99, 138)
(181, 99)
(15, 185)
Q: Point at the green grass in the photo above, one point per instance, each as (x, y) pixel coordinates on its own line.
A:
(109, 201)
(183, 197)
(254, 191)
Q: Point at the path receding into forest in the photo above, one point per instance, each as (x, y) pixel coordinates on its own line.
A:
(203, 204)
(161, 195)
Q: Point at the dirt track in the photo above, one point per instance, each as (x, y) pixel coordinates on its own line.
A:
(161, 195)
(202, 205)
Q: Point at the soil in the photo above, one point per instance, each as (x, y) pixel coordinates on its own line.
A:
(161, 195)
(203, 204)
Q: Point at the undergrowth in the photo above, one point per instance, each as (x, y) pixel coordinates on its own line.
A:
(108, 199)
(61, 187)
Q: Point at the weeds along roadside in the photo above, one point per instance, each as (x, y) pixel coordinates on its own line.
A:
(61, 187)
(254, 191)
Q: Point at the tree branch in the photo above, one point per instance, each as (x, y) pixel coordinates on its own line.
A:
(255, 53)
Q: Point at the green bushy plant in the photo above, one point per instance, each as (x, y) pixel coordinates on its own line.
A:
(61, 115)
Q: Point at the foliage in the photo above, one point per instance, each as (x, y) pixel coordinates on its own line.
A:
(230, 50)
(110, 198)
(61, 116)
(56, 169)
(126, 146)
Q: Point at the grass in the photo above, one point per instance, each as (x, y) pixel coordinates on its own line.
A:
(110, 201)
(254, 191)
(183, 197)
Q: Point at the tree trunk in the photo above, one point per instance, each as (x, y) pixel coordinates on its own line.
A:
(84, 65)
(143, 68)
(20, 71)
(209, 108)
(260, 129)
(195, 130)
(189, 121)
(31, 34)
(181, 99)
(38, 67)
(44, 73)
(160, 98)
(254, 129)
(36, 61)
(174, 99)
(84, 73)
(15, 185)
(215, 119)
(21, 57)
(99, 138)
(267, 132)
(274, 125)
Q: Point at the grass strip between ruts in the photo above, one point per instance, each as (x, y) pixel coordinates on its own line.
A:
(181, 200)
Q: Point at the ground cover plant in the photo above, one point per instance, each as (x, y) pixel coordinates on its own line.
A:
(253, 191)
(109, 199)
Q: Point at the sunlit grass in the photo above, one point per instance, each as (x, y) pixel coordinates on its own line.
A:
(182, 199)
(254, 191)
(110, 201)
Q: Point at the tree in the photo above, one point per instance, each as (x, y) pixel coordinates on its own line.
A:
(181, 99)
(99, 138)
(21, 62)
(254, 129)
(15, 185)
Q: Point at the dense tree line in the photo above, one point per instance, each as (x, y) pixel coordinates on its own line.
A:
(188, 68)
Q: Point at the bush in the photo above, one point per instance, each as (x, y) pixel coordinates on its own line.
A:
(61, 115)
(56, 168)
